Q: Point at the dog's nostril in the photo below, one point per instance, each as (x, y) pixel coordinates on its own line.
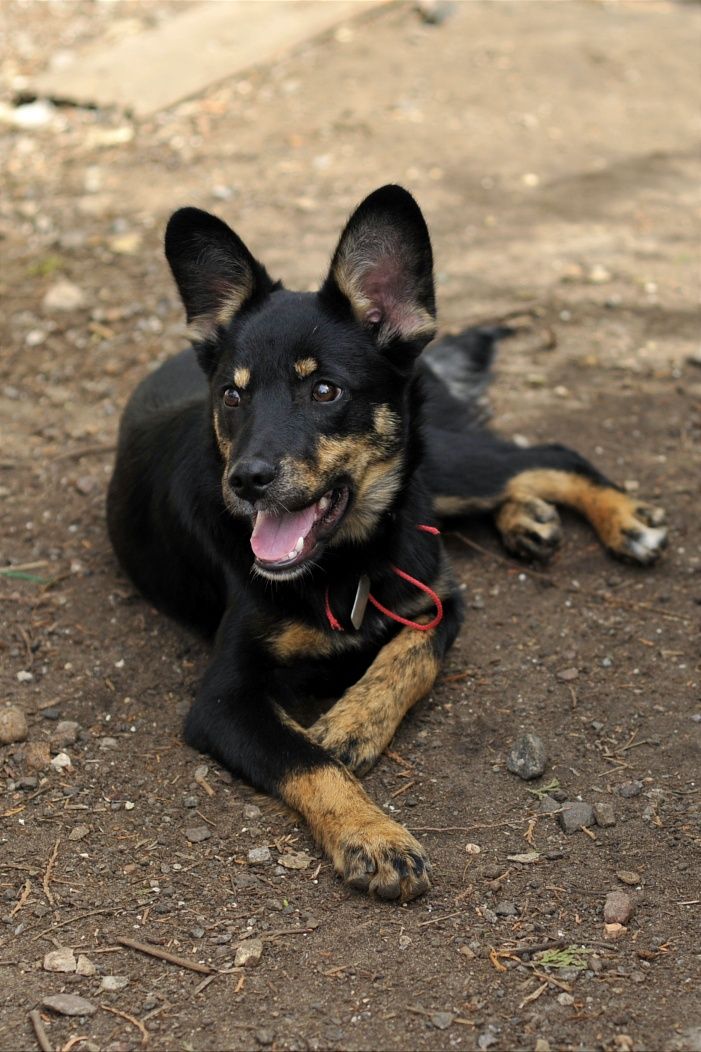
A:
(252, 476)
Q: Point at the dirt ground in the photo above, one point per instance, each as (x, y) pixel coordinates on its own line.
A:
(554, 150)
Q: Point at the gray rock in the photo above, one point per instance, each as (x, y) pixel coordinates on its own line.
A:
(264, 1037)
(69, 1004)
(63, 295)
(506, 909)
(61, 960)
(630, 789)
(442, 1020)
(196, 834)
(65, 733)
(112, 983)
(259, 856)
(79, 832)
(575, 815)
(528, 757)
(248, 954)
(251, 812)
(548, 805)
(604, 814)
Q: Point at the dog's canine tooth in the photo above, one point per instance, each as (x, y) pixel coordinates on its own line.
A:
(324, 503)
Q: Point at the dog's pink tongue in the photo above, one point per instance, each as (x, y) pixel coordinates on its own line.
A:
(274, 536)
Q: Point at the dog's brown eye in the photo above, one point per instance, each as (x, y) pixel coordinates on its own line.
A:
(231, 398)
(325, 392)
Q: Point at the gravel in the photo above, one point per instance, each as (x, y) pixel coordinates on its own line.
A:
(528, 757)
(197, 834)
(69, 1004)
(618, 908)
(604, 814)
(249, 953)
(575, 815)
(61, 960)
(13, 725)
(259, 856)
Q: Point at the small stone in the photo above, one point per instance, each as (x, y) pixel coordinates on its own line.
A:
(575, 815)
(259, 856)
(108, 743)
(630, 789)
(112, 983)
(251, 812)
(190, 801)
(614, 931)
(595, 964)
(604, 814)
(568, 674)
(79, 832)
(565, 999)
(63, 295)
(86, 484)
(197, 834)
(542, 1045)
(65, 733)
(61, 960)
(549, 805)
(442, 1020)
(528, 757)
(197, 933)
(69, 1004)
(467, 951)
(24, 676)
(85, 965)
(506, 909)
(628, 876)
(435, 12)
(599, 275)
(264, 1037)
(50, 713)
(27, 783)
(249, 953)
(13, 725)
(37, 755)
(618, 908)
(61, 761)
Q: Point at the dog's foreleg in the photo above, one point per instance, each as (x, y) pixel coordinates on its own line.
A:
(362, 723)
(236, 720)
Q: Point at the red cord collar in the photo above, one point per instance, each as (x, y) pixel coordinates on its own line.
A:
(338, 627)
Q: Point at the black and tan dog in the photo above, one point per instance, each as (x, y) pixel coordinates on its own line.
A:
(278, 487)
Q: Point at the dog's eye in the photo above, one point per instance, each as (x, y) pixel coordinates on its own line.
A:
(325, 392)
(231, 398)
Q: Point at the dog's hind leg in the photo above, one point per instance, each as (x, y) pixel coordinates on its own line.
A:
(479, 472)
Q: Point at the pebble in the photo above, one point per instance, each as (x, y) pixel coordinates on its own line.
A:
(13, 725)
(65, 733)
(108, 743)
(614, 930)
(112, 983)
(23, 676)
(568, 674)
(251, 812)
(249, 953)
(259, 856)
(565, 999)
(264, 1037)
(575, 815)
(86, 484)
(506, 909)
(548, 805)
(50, 713)
(604, 814)
(630, 789)
(85, 965)
(628, 876)
(528, 757)
(442, 1020)
(79, 832)
(61, 960)
(60, 761)
(295, 860)
(618, 908)
(542, 1045)
(63, 295)
(37, 755)
(196, 834)
(190, 801)
(69, 1004)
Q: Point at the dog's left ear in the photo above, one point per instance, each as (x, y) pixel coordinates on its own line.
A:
(383, 270)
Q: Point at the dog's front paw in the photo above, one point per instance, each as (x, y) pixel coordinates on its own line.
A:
(530, 528)
(639, 535)
(385, 861)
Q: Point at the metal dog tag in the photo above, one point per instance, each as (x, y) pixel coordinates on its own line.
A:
(360, 602)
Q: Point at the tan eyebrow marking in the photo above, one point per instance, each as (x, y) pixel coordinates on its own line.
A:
(242, 376)
(305, 367)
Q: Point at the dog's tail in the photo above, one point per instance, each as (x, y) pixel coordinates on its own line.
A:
(458, 374)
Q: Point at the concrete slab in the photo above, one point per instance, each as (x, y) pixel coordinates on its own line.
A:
(208, 42)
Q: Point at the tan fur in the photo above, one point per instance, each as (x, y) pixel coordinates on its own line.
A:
(360, 839)
(386, 422)
(293, 640)
(205, 326)
(305, 367)
(222, 441)
(447, 506)
(361, 725)
(242, 377)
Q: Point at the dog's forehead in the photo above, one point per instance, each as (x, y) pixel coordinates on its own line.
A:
(292, 333)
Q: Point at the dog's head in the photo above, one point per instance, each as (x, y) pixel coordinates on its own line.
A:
(309, 390)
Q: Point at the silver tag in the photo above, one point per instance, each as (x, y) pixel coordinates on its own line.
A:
(360, 602)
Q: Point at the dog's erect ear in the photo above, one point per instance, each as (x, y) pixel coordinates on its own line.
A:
(383, 270)
(215, 273)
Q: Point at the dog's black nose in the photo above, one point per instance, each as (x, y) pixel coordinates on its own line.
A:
(251, 477)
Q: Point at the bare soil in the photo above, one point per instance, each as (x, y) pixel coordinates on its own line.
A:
(554, 149)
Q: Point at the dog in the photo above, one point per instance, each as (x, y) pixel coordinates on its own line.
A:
(278, 486)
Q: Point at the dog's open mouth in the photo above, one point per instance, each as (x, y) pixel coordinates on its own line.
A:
(283, 540)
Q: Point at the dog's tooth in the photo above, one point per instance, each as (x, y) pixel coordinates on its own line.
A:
(324, 503)
(299, 545)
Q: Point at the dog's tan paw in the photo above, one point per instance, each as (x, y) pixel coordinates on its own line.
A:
(385, 861)
(529, 529)
(639, 534)
(356, 751)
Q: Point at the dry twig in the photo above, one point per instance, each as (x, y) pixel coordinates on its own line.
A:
(164, 955)
(40, 1031)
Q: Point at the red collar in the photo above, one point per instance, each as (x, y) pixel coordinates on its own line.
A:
(338, 627)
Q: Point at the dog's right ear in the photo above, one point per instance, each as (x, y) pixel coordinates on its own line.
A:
(215, 273)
